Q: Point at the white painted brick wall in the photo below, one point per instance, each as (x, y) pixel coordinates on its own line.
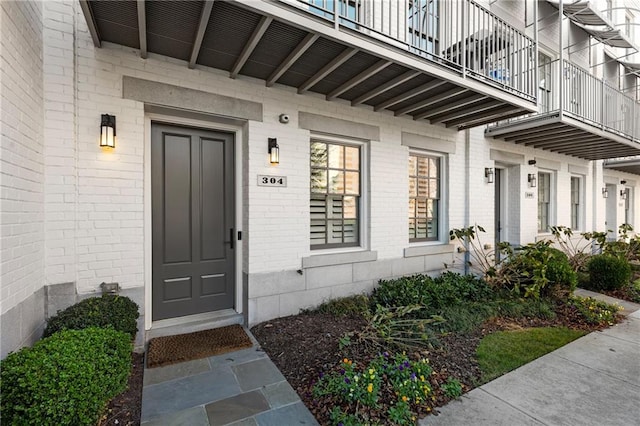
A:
(94, 198)
(21, 153)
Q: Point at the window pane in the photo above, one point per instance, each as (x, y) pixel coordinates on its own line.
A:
(421, 228)
(352, 158)
(413, 164)
(318, 154)
(350, 208)
(350, 231)
(335, 232)
(318, 208)
(423, 188)
(433, 188)
(412, 207)
(413, 187)
(412, 228)
(422, 208)
(336, 208)
(433, 167)
(318, 232)
(352, 183)
(318, 181)
(423, 166)
(432, 228)
(336, 156)
(336, 182)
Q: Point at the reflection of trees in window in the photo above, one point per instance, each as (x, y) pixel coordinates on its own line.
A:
(424, 197)
(422, 25)
(335, 195)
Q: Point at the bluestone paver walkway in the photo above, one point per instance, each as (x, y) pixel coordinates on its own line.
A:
(594, 380)
(236, 388)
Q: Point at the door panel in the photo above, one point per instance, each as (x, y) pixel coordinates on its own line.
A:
(193, 216)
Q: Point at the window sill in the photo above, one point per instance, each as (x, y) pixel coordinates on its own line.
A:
(341, 258)
(428, 250)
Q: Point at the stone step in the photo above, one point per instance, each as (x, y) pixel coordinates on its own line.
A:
(193, 323)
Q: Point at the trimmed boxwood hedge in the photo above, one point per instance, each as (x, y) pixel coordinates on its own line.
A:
(118, 312)
(608, 272)
(65, 379)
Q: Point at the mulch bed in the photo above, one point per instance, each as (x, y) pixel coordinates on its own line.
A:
(126, 408)
(303, 346)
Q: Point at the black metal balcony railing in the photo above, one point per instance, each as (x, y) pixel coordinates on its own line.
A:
(460, 35)
(585, 98)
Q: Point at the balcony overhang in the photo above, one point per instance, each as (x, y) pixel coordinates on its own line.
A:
(278, 43)
(565, 135)
(627, 165)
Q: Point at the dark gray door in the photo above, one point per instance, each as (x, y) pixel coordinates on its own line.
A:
(192, 221)
(497, 208)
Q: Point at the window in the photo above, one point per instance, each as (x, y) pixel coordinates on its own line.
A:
(423, 25)
(627, 206)
(335, 195)
(349, 9)
(424, 197)
(576, 202)
(544, 85)
(544, 201)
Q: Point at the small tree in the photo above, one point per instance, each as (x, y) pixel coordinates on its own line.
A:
(483, 260)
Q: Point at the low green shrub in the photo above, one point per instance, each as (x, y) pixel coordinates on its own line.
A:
(452, 388)
(608, 272)
(117, 312)
(538, 270)
(433, 293)
(529, 308)
(346, 306)
(65, 379)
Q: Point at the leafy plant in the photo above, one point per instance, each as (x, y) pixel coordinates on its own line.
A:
(117, 312)
(452, 388)
(608, 272)
(483, 260)
(65, 379)
(538, 270)
(578, 251)
(355, 388)
(394, 327)
(595, 311)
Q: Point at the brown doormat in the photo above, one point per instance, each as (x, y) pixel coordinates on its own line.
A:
(201, 344)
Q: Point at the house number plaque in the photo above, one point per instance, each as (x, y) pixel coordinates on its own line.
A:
(264, 180)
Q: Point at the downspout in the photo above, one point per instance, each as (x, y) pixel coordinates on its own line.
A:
(467, 193)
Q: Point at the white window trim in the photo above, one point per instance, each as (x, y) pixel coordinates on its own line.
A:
(365, 207)
(443, 211)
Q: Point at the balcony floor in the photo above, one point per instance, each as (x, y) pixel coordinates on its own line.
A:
(262, 40)
(565, 135)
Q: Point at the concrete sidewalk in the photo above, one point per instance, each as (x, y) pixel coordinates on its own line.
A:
(594, 380)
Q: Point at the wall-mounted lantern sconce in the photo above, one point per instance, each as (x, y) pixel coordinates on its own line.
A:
(274, 151)
(532, 162)
(108, 131)
(623, 194)
(605, 193)
(623, 182)
(533, 181)
(488, 174)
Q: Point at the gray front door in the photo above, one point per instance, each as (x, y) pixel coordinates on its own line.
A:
(192, 221)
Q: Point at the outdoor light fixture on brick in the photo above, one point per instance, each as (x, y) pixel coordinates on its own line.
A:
(605, 193)
(488, 174)
(274, 151)
(108, 131)
(531, 178)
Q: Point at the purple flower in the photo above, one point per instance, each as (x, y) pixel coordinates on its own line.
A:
(406, 364)
(386, 354)
(321, 374)
(401, 368)
(340, 424)
(346, 380)
(413, 376)
(342, 371)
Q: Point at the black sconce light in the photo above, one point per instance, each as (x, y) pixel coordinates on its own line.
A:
(274, 151)
(533, 181)
(605, 193)
(488, 174)
(108, 131)
(532, 162)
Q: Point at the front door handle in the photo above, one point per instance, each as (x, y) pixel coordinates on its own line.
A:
(231, 238)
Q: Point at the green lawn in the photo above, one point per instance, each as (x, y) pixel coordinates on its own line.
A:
(501, 352)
